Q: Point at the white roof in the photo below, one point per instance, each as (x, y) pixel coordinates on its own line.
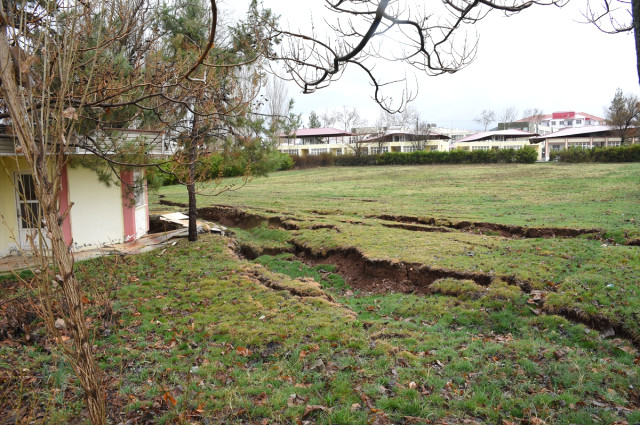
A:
(576, 131)
(506, 133)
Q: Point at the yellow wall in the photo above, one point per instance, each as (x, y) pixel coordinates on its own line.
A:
(96, 215)
(8, 216)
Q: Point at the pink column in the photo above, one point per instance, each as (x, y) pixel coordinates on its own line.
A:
(63, 202)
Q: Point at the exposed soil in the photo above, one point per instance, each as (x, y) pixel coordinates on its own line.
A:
(233, 217)
(595, 321)
(172, 204)
(503, 229)
(417, 227)
(383, 276)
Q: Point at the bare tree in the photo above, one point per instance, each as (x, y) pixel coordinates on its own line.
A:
(423, 134)
(616, 16)
(329, 118)
(358, 144)
(429, 37)
(348, 119)
(485, 118)
(623, 114)
(408, 118)
(534, 116)
(68, 71)
(508, 116)
(277, 103)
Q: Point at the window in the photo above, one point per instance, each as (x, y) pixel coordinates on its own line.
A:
(30, 212)
(317, 151)
(138, 189)
(410, 148)
(578, 121)
(553, 123)
(481, 148)
(581, 145)
(290, 151)
(569, 122)
(556, 147)
(376, 149)
(514, 147)
(612, 144)
(339, 151)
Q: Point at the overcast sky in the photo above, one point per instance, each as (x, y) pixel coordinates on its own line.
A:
(542, 58)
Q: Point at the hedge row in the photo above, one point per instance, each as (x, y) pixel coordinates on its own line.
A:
(627, 153)
(313, 161)
(526, 155)
(212, 166)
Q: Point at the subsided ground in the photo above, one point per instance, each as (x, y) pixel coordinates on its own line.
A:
(443, 295)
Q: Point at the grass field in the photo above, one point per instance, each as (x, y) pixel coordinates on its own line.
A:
(369, 296)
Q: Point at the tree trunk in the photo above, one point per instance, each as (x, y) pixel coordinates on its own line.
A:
(79, 354)
(191, 183)
(635, 11)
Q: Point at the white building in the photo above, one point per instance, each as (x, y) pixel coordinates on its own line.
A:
(316, 141)
(101, 214)
(588, 137)
(556, 121)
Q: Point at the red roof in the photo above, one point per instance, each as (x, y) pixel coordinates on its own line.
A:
(551, 116)
(317, 132)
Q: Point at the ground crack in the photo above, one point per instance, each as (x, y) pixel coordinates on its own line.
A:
(410, 222)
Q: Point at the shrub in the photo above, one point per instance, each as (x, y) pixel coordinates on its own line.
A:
(526, 155)
(627, 153)
(312, 161)
(352, 160)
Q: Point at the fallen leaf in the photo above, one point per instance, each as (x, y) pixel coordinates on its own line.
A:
(313, 408)
(560, 354)
(168, 398)
(245, 352)
(295, 400)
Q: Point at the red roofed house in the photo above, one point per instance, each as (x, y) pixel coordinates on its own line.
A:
(556, 121)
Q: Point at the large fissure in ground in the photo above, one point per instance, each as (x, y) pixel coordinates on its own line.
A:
(383, 276)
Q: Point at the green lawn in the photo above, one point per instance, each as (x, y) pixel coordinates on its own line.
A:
(201, 335)
(558, 195)
(595, 276)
